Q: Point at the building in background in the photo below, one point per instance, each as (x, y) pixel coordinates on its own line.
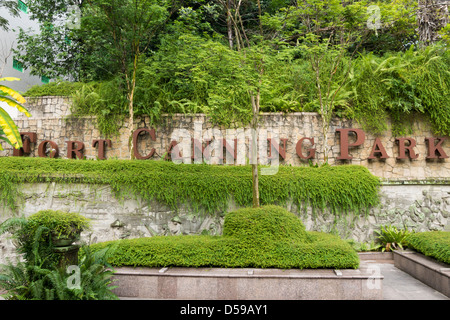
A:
(9, 66)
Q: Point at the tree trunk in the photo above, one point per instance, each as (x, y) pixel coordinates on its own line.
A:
(255, 111)
(229, 25)
(432, 16)
(325, 127)
(132, 89)
(315, 62)
(254, 154)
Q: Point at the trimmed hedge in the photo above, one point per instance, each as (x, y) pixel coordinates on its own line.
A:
(435, 244)
(269, 222)
(207, 188)
(266, 237)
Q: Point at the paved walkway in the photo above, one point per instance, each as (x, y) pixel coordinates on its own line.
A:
(399, 285)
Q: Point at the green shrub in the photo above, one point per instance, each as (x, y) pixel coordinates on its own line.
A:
(205, 188)
(400, 86)
(262, 242)
(269, 222)
(59, 88)
(35, 234)
(34, 280)
(40, 274)
(435, 244)
(58, 223)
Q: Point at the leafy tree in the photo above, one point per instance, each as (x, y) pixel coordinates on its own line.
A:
(396, 30)
(131, 24)
(251, 52)
(57, 50)
(49, 52)
(325, 31)
(11, 7)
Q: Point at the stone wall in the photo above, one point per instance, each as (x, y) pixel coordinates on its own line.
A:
(415, 192)
(420, 207)
(51, 121)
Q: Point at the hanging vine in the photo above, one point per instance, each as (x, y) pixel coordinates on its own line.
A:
(203, 188)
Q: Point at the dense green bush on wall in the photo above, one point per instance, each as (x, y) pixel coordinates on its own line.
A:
(206, 188)
(435, 244)
(266, 237)
(59, 88)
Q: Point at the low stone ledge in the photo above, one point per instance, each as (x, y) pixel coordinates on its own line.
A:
(427, 181)
(433, 273)
(248, 284)
(375, 255)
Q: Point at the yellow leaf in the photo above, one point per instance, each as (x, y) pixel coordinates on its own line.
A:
(15, 104)
(9, 79)
(13, 93)
(10, 129)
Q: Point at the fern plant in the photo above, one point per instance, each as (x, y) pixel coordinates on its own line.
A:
(392, 238)
(25, 280)
(36, 275)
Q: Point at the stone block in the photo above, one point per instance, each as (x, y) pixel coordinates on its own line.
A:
(244, 284)
(430, 271)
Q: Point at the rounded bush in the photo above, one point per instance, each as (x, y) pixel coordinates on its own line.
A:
(267, 222)
(265, 237)
(59, 223)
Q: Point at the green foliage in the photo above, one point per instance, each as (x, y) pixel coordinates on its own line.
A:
(38, 230)
(9, 193)
(268, 222)
(39, 275)
(12, 8)
(392, 238)
(104, 100)
(95, 275)
(364, 246)
(60, 223)
(190, 74)
(435, 244)
(48, 51)
(398, 23)
(30, 280)
(260, 246)
(399, 86)
(58, 88)
(206, 188)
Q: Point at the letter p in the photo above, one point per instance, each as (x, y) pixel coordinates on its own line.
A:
(345, 145)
